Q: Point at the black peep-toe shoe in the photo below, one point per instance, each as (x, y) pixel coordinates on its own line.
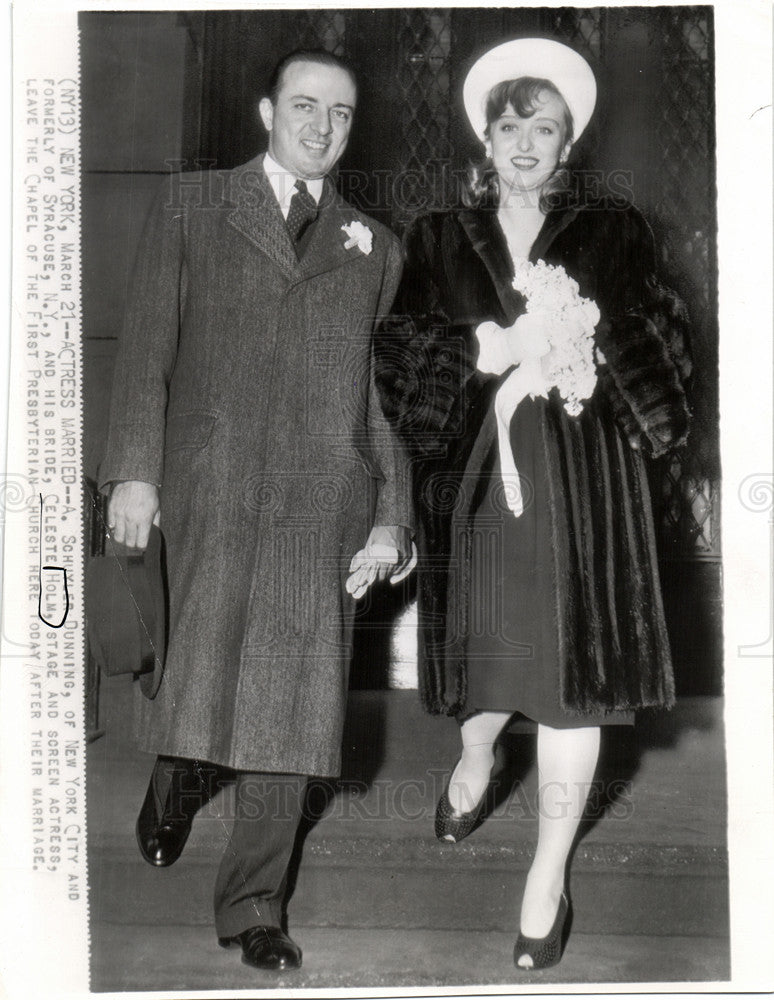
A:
(545, 951)
(453, 826)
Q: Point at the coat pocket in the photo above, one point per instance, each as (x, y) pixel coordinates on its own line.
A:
(190, 430)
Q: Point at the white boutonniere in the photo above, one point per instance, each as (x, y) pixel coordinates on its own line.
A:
(358, 236)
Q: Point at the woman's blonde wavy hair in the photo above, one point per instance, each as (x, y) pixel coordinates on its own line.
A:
(523, 94)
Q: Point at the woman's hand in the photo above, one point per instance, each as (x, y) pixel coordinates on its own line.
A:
(527, 338)
(389, 554)
(501, 349)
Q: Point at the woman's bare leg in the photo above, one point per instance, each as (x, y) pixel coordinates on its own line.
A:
(471, 776)
(567, 760)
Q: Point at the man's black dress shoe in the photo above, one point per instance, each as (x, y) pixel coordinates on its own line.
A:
(266, 948)
(164, 822)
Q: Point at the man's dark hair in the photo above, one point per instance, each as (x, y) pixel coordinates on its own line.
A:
(319, 56)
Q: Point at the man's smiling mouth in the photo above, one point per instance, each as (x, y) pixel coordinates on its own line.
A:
(314, 144)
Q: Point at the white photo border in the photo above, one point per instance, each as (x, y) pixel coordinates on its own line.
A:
(45, 933)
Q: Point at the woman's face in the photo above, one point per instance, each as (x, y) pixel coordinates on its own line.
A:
(526, 151)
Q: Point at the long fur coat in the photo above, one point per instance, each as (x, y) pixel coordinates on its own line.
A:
(612, 641)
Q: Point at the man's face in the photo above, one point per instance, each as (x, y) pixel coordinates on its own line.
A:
(310, 122)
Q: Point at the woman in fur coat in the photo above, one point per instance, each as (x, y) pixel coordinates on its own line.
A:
(532, 362)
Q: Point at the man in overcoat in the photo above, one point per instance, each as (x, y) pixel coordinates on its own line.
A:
(244, 420)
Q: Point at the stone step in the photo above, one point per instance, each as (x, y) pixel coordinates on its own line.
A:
(652, 860)
(178, 958)
(349, 889)
(659, 791)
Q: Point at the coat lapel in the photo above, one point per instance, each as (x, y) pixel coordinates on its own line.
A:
(556, 220)
(326, 248)
(488, 240)
(257, 216)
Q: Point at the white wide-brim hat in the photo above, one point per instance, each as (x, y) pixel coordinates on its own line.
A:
(537, 57)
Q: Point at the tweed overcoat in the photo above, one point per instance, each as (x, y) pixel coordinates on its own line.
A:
(612, 641)
(244, 389)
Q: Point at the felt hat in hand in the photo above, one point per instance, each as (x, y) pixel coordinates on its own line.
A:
(541, 58)
(126, 610)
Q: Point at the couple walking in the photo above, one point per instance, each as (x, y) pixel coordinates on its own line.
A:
(294, 389)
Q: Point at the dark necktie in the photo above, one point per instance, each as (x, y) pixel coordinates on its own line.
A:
(302, 211)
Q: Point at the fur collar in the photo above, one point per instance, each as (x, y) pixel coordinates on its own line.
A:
(488, 240)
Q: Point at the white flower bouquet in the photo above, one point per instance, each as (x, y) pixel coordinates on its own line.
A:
(552, 344)
(568, 322)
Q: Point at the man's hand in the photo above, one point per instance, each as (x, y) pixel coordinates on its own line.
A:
(132, 508)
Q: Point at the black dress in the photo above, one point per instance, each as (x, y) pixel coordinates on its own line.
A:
(512, 647)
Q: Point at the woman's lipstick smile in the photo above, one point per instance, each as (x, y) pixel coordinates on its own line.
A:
(524, 162)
